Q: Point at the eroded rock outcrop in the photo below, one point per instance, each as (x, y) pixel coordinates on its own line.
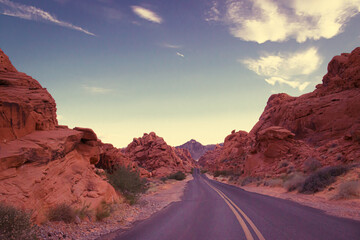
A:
(43, 164)
(25, 106)
(153, 154)
(323, 125)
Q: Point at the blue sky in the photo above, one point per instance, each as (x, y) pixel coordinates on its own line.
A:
(183, 69)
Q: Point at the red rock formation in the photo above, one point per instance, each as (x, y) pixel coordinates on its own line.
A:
(112, 157)
(324, 124)
(25, 106)
(43, 164)
(153, 154)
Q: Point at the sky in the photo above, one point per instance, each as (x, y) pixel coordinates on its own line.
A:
(183, 69)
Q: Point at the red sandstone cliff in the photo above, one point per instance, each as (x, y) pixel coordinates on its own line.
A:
(323, 124)
(43, 164)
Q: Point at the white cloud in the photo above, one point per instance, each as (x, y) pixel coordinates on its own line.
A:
(147, 14)
(36, 14)
(213, 14)
(180, 55)
(167, 45)
(277, 21)
(97, 90)
(290, 68)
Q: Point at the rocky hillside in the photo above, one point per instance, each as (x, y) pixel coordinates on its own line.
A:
(43, 164)
(323, 125)
(196, 149)
(154, 155)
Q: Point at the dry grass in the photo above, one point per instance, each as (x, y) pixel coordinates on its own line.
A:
(62, 212)
(276, 182)
(294, 182)
(348, 190)
(15, 224)
(322, 178)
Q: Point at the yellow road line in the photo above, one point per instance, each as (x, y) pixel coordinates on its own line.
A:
(232, 205)
(240, 220)
(256, 230)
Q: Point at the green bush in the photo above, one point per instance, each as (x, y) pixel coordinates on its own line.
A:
(322, 178)
(163, 179)
(177, 176)
(15, 224)
(128, 182)
(192, 170)
(348, 190)
(202, 171)
(62, 212)
(103, 211)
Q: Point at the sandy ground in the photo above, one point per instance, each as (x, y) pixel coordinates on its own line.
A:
(349, 208)
(122, 217)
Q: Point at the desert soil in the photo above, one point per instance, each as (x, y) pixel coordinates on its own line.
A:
(122, 217)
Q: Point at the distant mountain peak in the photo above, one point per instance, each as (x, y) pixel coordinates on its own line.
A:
(196, 149)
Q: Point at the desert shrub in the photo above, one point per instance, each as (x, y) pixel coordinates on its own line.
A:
(62, 212)
(294, 182)
(247, 180)
(322, 178)
(128, 182)
(203, 171)
(177, 176)
(163, 179)
(103, 211)
(84, 211)
(273, 182)
(311, 164)
(15, 224)
(192, 170)
(348, 190)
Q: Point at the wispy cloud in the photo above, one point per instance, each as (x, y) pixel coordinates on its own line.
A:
(180, 54)
(96, 90)
(147, 14)
(277, 21)
(13, 9)
(286, 68)
(173, 46)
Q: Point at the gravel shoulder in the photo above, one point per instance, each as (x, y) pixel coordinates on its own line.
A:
(123, 216)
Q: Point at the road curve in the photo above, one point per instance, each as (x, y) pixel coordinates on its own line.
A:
(212, 210)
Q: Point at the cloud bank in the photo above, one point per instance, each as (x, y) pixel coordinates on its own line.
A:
(36, 14)
(147, 14)
(277, 21)
(286, 68)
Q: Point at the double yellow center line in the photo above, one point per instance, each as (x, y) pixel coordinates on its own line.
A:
(233, 208)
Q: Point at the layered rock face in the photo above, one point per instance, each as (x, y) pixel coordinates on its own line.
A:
(43, 164)
(196, 149)
(323, 125)
(153, 154)
(24, 105)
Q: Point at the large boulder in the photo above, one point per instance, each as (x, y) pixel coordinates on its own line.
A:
(153, 154)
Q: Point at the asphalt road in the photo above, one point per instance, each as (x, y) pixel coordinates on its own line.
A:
(212, 210)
